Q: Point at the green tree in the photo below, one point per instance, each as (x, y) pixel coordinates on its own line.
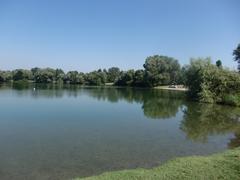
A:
(139, 78)
(2, 77)
(208, 83)
(35, 70)
(161, 70)
(126, 79)
(5, 76)
(219, 63)
(73, 77)
(59, 75)
(96, 78)
(46, 75)
(236, 54)
(21, 74)
(182, 78)
(193, 76)
(112, 74)
(18, 75)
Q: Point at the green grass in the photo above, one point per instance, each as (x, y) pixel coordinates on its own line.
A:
(219, 166)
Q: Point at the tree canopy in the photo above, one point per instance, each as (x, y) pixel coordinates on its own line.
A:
(236, 54)
(208, 83)
(161, 70)
(219, 63)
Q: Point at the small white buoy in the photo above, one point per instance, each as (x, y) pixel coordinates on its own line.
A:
(34, 89)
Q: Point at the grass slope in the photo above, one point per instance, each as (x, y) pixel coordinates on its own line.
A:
(219, 166)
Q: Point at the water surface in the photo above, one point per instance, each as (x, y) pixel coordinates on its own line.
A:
(62, 132)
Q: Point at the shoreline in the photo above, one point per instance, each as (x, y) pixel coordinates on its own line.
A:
(168, 88)
(224, 164)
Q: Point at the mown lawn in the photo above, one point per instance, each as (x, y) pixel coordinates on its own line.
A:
(218, 166)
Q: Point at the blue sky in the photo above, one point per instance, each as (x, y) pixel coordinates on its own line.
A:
(89, 34)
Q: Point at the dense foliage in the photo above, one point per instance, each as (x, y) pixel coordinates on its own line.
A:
(208, 83)
(161, 70)
(236, 54)
(158, 70)
(96, 78)
(49, 75)
(219, 63)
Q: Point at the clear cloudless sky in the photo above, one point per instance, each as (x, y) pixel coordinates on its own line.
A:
(85, 35)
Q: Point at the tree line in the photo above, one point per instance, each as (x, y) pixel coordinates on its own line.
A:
(158, 70)
(49, 75)
(206, 82)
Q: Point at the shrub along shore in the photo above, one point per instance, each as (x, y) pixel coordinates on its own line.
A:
(224, 165)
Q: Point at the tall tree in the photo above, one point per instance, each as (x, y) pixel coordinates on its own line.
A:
(139, 78)
(59, 75)
(126, 78)
(219, 63)
(5, 76)
(98, 78)
(21, 74)
(112, 74)
(236, 54)
(73, 77)
(161, 70)
(2, 77)
(208, 83)
(44, 75)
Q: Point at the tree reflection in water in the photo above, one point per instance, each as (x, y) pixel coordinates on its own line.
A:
(198, 123)
(235, 142)
(202, 120)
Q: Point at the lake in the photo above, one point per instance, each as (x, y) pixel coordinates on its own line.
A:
(63, 132)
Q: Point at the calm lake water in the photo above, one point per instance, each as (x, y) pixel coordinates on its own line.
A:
(65, 132)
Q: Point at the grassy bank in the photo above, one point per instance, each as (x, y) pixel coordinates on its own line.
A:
(219, 166)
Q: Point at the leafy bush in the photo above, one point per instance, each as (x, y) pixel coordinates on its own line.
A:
(233, 100)
(208, 83)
